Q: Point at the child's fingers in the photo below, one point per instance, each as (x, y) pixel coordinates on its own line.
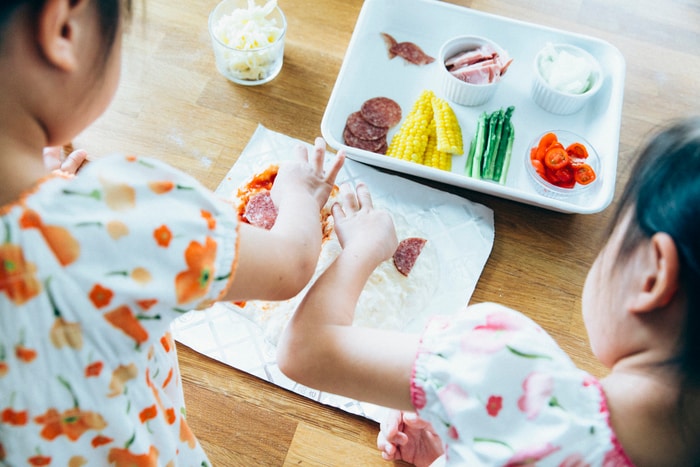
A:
(319, 155)
(74, 161)
(335, 167)
(52, 157)
(348, 198)
(301, 153)
(337, 211)
(363, 196)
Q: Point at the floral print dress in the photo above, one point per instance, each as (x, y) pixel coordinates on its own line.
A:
(92, 271)
(500, 392)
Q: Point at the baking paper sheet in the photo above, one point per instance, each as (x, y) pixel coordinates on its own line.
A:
(462, 232)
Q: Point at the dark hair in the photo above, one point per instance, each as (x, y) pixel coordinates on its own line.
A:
(110, 13)
(663, 195)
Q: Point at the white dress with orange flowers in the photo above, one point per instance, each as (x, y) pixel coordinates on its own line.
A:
(500, 392)
(92, 271)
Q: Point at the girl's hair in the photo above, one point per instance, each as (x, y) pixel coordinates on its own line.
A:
(110, 13)
(663, 195)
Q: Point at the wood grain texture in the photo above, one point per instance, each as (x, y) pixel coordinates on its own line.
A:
(173, 105)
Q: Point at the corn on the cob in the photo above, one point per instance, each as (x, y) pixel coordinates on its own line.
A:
(433, 156)
(449, 134)
(429, 135)
(410, 141)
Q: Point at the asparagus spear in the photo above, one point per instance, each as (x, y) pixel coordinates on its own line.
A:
(481, 128)
(503, 144)
(509, 150)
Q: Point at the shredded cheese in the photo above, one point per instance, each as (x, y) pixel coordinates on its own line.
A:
(250, 31)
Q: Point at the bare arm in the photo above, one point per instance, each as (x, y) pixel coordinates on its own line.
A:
(276, 264)
(320, 348)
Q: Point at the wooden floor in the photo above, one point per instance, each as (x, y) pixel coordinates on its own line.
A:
(173, 105)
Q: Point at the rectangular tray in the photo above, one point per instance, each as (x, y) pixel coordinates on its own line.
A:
(368, 72)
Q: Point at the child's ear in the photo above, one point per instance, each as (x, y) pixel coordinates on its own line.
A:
(660, 280)
(58, 32)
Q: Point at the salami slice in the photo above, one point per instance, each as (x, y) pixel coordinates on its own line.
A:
(363, 128)
(372, 145)
(390, 43)
(260, 211)
(407, 253)
(411, 53)
(381, 112)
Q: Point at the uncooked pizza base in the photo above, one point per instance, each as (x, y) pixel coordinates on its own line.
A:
(389, 299)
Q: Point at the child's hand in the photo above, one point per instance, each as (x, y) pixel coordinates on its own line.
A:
(361, 228)
(53, 159)
(404, 436)
(306, 175)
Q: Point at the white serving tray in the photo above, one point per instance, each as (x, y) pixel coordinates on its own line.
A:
(367, 72)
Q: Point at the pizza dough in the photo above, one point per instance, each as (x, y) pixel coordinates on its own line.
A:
(390, 299)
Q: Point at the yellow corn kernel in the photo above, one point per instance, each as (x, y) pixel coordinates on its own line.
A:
(410, 141)
(449, 133)
(433, 156)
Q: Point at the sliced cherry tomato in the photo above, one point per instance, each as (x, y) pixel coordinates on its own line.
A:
(577, 151)
(533, 154)
(563, 177)
(547, 140)
(555, 158)
(584, 174)
(539, 168)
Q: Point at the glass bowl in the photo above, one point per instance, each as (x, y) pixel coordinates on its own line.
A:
(550, 190)
(248, 40)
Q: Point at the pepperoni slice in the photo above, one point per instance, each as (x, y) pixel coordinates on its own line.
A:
(381, 112)
(372, 145)
(363, 129)
(407, 253)
(260, 211)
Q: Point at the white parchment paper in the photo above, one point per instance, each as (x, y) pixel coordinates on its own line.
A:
(461, 232)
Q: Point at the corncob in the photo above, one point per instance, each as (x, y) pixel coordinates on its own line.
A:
(449, 134)
(434, 157)
(410, 141)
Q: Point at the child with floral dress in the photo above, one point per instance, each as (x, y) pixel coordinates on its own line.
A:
(487, 386)
(94, 268)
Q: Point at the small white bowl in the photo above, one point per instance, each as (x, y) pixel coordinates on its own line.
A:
(544, 187)
(457, 90)
(553, 98)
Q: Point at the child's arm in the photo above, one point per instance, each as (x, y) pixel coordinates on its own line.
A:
(320, 348)
(276, 264)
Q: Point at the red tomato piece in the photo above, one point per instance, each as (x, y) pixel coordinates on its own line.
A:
(577, 151)
(545, 142)
(556, 158)
(584, 174)
(533, 154)
(563, 177)
(539, 168)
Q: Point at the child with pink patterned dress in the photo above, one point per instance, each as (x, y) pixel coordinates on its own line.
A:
(489, 387)
(94, 268)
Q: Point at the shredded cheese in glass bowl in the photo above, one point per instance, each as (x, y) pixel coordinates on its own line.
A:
(248, 40)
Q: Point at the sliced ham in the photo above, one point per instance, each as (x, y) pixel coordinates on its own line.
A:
(470, 57)
(482, 65)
